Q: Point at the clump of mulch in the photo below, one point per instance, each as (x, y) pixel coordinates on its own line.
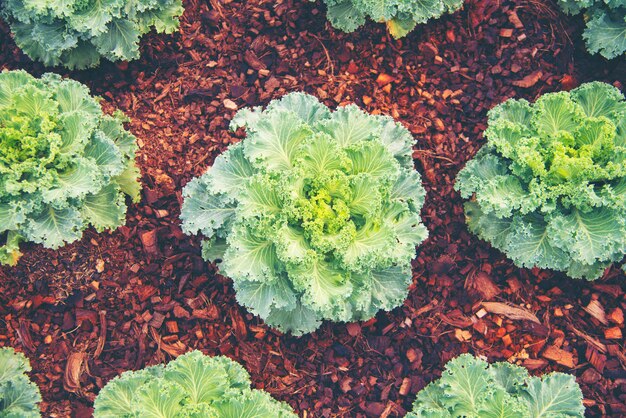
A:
(142, 294)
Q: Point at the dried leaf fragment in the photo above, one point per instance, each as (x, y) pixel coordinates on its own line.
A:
(74, 369)
(510, 311)
(530, 80)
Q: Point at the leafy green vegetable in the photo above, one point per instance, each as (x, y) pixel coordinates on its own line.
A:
(77, 33)
(64, 165)
(315, 214)
(470, 387)
(401, 16)
(606, 24)
(192, 386)
(18, 395)
(549, 187)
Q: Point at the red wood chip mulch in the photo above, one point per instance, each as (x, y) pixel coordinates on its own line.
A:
(142, 294)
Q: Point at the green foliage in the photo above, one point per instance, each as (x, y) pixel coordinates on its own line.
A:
(606, 24)
(77, 33)
(64, 165)
(18, 395)
(549, 187)
(192, 386)
(401, 16)
(315, 214)
(470, 387)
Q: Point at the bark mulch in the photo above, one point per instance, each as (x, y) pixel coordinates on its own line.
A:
(142, 295)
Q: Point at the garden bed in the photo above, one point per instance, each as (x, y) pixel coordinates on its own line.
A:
(142, 294)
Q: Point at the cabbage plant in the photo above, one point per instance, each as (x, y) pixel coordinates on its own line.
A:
(606, 24)
(192, 386)
(400, 16)
(549, 187)
(18, 395)
(64, 165)
(77, 33)
(315, 214)
(470, 387)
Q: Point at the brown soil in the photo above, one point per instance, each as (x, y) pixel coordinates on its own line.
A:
(142, 294)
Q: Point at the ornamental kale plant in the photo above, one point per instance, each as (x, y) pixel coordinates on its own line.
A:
(77, 33)
(401, 16)
(18, 395)
(64, 165)
(606, 24)
(470, 387)
(549, 187)
(315, 214)
(192, 386)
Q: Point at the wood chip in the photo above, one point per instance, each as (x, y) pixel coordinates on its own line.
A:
(462, 335)
(482, 284)
(596, 310)
(616, 316)
(530, 80)
(74, 368)
(103, 334)
(510, 311)
(384, 79)
(562, 357)
(613, 333)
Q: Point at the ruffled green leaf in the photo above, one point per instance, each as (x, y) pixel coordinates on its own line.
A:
(509, 376)
(400, 16)
(556, 112)
(250, 256)
(430, 402)
(18, 395)
(105, 154)
(230, 170)
(467, 384)
(373, 159)
(590, 236)
(399, 28)
(128, 181)
(398, 141)
(118, 397)
(74, 182)
(105, 209)
(547, 188)
(159, 399)
(318, 217)
(557, 394)
(599, 99)
(299, 320)
(345, 15)
(76, 34)
(606, 33)
(503, 405)
(192, 386)
(470, 387)
(383, 289)
(350, 125)
(263, 297)
(307, 107)
(54, 227)
(199, 377)
(205, 212)
(322, 154)
(10, 251)
(256, 404)
(274, 141)
(408, 188)
(325, 288)
(57, 168)
(164, 19)
(530, 244)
